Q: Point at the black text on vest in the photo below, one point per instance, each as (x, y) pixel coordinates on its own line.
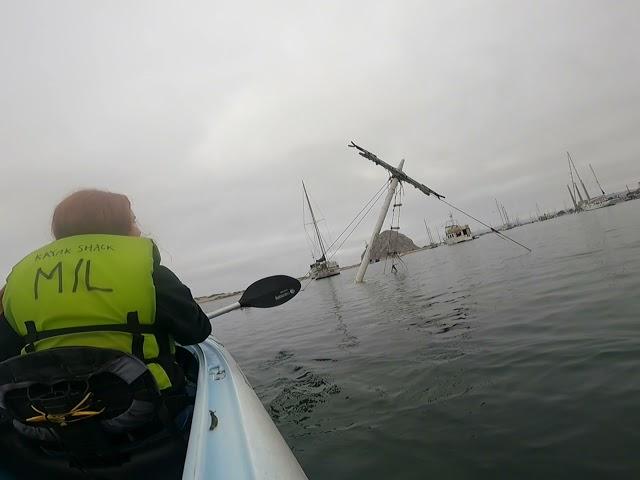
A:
(57, 271)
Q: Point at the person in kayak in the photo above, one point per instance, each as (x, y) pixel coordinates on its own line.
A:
(100, 284)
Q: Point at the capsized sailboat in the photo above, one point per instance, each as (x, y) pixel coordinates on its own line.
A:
(321, 267)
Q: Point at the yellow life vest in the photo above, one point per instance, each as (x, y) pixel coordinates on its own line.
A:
(89, 290)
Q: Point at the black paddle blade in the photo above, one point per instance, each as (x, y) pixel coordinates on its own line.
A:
(270, 292)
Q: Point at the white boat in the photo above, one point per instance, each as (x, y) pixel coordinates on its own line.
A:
(323, 269)
(320, 268)
(232, 435)
(456, 233)
(597, 202)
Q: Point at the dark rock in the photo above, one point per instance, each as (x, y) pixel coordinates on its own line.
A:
(388, 243)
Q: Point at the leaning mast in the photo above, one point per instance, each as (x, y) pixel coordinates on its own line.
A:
(397, 175)
(594, 176)
(364, 263)
(576, 192)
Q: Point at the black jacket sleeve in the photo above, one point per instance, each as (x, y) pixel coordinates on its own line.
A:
(176, 311)
(10, 342)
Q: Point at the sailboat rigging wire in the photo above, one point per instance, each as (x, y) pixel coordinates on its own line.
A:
(506, 237)
(379, 196)
(358, 214)
(322, 218)
(371, 203)
(306, 284)
(312, 243)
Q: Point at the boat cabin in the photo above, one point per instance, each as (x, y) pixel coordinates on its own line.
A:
(457, 233)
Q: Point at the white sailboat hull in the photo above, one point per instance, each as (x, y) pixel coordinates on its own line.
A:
(594, 204)
(324, 269)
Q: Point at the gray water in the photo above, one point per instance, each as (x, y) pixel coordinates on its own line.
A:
(478, 361)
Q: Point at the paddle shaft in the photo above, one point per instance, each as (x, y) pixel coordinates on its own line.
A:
(223, 310)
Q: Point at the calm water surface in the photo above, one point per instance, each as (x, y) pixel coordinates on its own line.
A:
(478, 361)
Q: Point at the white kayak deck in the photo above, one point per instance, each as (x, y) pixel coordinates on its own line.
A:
(245, 443)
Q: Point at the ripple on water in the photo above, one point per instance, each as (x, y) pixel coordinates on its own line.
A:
(281, 357)
(298, 397)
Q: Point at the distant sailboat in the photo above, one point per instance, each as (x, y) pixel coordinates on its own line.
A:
(432, 243)
(504, 217)
(320, 268)
(591, 203)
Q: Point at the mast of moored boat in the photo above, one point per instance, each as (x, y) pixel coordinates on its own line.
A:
(500, 212)
(315, 224)
(576, 192)
(573, 199)
(579, 177)
(431, 242)
(506, 217)
(594, 176)
(427, 229)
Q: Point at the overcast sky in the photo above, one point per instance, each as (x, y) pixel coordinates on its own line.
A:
(209, 114)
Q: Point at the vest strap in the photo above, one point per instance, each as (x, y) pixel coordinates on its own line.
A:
(148, 329)
(137, 340)
(31, 337)
(132, 327)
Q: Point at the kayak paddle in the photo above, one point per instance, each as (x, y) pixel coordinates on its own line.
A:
(265, 293)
